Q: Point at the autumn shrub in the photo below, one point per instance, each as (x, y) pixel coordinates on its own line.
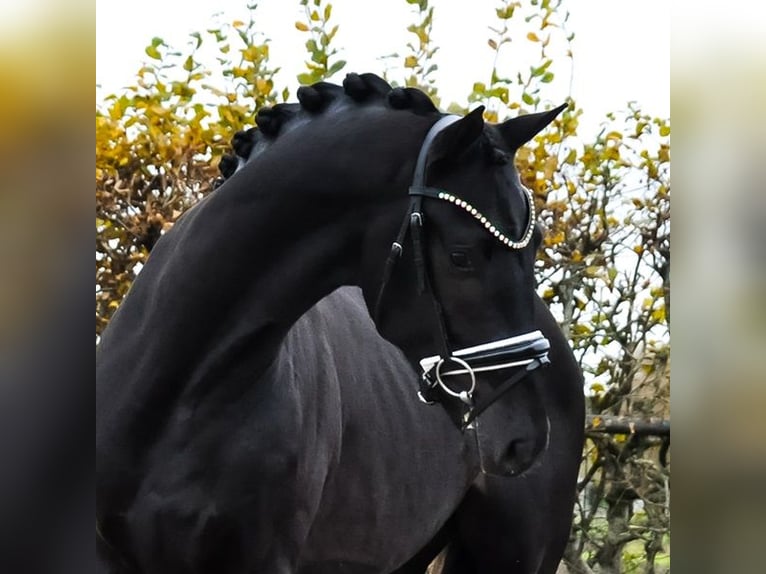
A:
(604, 202)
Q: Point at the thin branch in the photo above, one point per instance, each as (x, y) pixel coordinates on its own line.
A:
(606, 424)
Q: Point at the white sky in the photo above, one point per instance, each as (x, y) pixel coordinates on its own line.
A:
(621, 47)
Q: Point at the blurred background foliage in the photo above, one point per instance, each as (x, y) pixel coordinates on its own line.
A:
(604, 202)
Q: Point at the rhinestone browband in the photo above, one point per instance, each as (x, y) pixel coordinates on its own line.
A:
(488, 225)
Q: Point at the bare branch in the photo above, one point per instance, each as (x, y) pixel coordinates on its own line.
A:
(606, 424)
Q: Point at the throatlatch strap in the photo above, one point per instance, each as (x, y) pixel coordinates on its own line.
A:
(397, 247)
(418, 253)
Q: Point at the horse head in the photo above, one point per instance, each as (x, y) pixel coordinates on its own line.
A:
(445, 245)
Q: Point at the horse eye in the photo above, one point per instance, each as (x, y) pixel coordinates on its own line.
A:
(460, 259)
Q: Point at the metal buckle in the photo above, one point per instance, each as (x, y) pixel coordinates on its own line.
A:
(426, 386)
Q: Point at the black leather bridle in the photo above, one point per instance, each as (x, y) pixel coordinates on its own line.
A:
(525, 352)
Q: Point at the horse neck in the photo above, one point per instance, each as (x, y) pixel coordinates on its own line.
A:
(219, 291)
(236, 271)
(264, 254)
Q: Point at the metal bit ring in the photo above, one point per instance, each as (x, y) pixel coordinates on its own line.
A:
(444, 386)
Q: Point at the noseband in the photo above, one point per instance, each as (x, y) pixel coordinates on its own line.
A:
(524, 352)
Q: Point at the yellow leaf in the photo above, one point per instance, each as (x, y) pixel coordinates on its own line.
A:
(115, 112)
(532, 37)
(612, 152)
(263, 86)
(554, 239)
(550, 166)
(597, 388)
(580, 329)
(302, 27)
(592, 270)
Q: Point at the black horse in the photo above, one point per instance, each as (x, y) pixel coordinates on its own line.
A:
(251, 418)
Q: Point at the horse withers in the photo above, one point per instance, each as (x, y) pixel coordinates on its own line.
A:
(253, 417)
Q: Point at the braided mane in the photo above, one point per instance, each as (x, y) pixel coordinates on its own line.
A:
(325, 96)
(313, 100)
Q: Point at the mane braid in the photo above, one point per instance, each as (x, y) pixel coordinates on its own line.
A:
(357, 89)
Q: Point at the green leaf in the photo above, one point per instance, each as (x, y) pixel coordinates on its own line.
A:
(527, 99)
(189, 64)
(305, 78)
(153, 52)
(506, 12)
(336, 67)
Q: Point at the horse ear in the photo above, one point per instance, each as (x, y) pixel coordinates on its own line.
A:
(519, 130)
(458, 136)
